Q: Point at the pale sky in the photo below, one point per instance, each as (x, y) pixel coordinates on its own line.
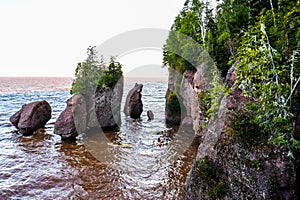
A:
(49, 37)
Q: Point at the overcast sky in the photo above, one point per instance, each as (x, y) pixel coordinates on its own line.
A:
(49, 37)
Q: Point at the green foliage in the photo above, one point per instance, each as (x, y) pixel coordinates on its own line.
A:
(111, 75)
(212, 96)
(254, 164)
(184, 45)
(201, 126)
(245, 130)
(88, 73)
(216, 90)
(205, 102)
(219, 191)
(264, 36)
(207, 170)
(233, 19)
(173, 102)
(205, 99)
(266, 73)
(93, 73)
(221, 34)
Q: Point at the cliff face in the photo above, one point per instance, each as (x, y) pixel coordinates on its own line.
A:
(297, 136)
(242, 172)
(185, 89)
(232, 165)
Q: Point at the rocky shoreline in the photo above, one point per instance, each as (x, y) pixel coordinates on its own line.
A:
(263, 172)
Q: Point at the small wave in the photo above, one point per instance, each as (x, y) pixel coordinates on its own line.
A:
(5, 124)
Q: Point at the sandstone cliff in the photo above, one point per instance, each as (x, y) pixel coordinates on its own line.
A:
(238, 165)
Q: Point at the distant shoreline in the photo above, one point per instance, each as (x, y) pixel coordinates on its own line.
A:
(29, 84)
(25, 77)
(126, 79)
(145, 79)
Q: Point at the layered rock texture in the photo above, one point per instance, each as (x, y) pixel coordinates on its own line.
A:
(103, 107)
(31, 117)
(189, 115)
(108, 104)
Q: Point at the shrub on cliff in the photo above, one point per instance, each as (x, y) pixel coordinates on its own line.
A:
(173, 103)
(268, 71)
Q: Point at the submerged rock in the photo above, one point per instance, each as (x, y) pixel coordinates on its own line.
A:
(133, 105)
(72, 120)
(31, 117)
(14, 119)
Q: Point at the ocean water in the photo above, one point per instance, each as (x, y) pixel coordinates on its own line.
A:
(41, 166)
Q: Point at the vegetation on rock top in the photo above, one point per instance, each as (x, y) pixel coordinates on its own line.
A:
(94, 72)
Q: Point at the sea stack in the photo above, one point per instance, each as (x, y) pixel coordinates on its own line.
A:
(150, 115)
(134, 106)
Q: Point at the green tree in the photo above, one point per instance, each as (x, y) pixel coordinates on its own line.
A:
(112, 74)
(93, 73)
(269, 71)
(181, 51)
(264, 36)
(233, 19)
(87, 73)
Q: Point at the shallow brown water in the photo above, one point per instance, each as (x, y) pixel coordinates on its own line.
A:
(43, 167)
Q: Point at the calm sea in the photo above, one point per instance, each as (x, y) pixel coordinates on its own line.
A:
(41, 166)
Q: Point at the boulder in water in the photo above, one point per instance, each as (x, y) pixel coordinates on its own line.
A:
(150, 115)
(31, 117)
(134, 106)
(72, 119)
